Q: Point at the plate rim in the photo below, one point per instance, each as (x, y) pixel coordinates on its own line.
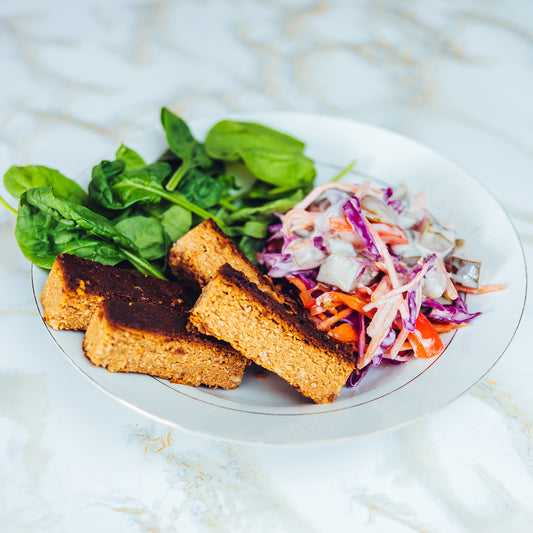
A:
(271, 116)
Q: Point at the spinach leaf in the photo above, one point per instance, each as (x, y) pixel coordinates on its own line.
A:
(19, 179)
(203, 189)
(257, 229)
(147, 233)
(272, 156)
(281, 205)
(48, 225)
(281, 169)
(112, 188)
(182, 143)
(250, 247)
(177, 222)
(102, 177)
(132, 160)
(226, 140)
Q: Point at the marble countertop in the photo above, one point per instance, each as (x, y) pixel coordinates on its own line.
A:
(78, 78)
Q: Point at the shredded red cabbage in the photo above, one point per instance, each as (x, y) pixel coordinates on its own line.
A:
(456, 313)
(352, 210)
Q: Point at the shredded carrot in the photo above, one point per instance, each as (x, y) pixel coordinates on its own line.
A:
(298, 282)
(484, 289)
(378, 330)
(450, 289)
(391, 234)
(383, 318)
(305, 294)
(398, 290)
(446, 328)
(399, 343)
(329, 299)
(318, 191)
(382, 288)
(297, 219)
(326, 324)
(344, 333)
(340, 224)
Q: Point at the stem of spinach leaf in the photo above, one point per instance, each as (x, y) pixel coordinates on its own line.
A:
(176, 177)
(183, 202)
(8, 207)
(141, 264)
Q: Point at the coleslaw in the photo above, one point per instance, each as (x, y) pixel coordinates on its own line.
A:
(375, 269)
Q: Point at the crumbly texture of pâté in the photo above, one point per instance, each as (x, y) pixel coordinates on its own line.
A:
(149, 338)
(76, 286)
(199, 254)
(233, 309)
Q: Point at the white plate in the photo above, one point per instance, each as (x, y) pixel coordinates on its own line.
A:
(268, 410)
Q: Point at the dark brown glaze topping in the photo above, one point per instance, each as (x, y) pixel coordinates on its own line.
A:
(300, 321)
(237, 251)
(168, 322)
(113, 282)
(146, 317)
(289, 303)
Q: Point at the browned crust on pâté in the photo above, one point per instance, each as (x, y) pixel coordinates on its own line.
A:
(233, 309)
(148, 338)
(76, 286)
(203, 250)
(300, 322)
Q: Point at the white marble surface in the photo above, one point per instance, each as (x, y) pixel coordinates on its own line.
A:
(79, 77)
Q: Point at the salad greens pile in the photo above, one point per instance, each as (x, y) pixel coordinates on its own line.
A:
(240, 176)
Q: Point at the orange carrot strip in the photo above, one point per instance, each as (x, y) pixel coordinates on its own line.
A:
(450, 289)
(326, 324)
(340, 224)
(329, 299)
(398, 290)
(391, 234)
(379, 327)
(484, 289)
(318, 191)
(298, 282)
(344, 333)
(446, 328)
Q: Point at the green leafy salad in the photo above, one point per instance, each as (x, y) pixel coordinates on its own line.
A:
(133, 210)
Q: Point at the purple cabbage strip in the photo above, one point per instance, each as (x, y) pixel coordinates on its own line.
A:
(398, 360)
(308, 277)
(352, 210)
(318, 242)
(387, 193)
(276, 233)
(397, 205)
(410, 323)
(279, 264)
(456, 312)
(361, 337)
(287, 241)
(386, 343)
(356, 376)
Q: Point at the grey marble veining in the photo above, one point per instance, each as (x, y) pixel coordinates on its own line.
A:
(79, 78)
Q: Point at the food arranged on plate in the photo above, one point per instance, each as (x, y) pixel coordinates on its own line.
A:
(314, 283)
